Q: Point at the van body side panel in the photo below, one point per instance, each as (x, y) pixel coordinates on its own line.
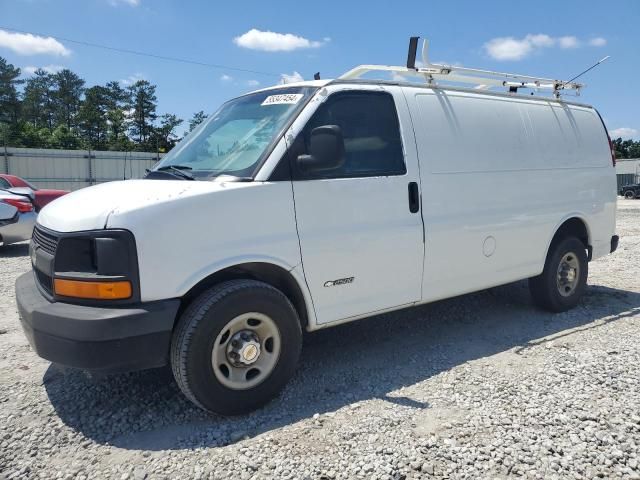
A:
(246, 222)
(499, 176)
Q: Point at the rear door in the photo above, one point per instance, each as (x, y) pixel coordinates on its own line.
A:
(361, 236)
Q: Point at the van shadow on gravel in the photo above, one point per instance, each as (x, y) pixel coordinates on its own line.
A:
(14, 250)
(339, 366)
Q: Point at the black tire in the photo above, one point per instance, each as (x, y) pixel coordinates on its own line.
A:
(200, 325)
(544, 288)
(629, 194)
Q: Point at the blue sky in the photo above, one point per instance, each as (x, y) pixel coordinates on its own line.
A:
(545, 38)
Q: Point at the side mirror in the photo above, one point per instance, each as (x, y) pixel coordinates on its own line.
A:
(326, 150)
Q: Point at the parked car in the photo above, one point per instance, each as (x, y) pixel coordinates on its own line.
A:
(17, 217)
(42, 195)
(630, 191)
(310, 205)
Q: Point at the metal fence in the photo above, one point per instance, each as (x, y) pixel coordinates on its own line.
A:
(628, 171)
(74, 169)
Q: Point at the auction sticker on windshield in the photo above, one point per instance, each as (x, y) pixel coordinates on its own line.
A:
(285, 98)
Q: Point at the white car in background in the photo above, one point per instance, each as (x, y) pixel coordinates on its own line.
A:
(17, 216)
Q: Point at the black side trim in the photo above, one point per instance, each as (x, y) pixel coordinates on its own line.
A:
(414, 197)
(614, 243)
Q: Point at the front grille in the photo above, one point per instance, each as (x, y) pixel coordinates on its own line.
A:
(45, 240)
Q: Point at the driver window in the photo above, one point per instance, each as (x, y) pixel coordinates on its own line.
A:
(371, 132)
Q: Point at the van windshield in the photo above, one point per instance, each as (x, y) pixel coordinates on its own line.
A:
(235, 140)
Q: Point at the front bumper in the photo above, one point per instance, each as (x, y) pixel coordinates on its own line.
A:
(101, 339)
(20, 230)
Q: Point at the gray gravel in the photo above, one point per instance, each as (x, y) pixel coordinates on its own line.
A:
(481, 386)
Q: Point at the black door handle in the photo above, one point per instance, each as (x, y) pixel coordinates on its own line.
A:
(414, 197)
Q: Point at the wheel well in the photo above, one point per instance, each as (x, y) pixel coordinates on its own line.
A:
(574, 227)
(275, 276)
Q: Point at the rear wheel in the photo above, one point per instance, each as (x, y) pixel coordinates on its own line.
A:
(629, 194)
(564, 279)
(236, 346)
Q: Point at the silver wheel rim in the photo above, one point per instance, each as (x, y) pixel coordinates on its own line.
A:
(568, 274)
(246, 351)
(629, 195)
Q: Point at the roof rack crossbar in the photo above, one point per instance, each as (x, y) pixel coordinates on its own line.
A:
(481, 78)
(474, 76)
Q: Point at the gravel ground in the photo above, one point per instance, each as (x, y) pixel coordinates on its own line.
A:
(481, 386)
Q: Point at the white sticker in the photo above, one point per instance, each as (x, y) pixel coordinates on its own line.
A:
(285, 98)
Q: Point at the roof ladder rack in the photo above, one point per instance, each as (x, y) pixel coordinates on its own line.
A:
(481, 79)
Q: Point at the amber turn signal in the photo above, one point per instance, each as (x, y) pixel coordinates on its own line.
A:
(95, 290)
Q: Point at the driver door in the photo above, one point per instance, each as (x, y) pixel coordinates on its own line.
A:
(361, 235)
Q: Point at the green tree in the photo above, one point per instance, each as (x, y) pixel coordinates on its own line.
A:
(31, 136)
(119, 100)
(626, 148)
(92, 117)
(37, 102)
(67, 97)
(9, 99)
(143, 112)
(63, 137)
(166, 137)
(197, 119)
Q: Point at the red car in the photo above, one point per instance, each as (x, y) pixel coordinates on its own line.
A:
(43, 195)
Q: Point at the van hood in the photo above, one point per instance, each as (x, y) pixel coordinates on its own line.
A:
(90, 208)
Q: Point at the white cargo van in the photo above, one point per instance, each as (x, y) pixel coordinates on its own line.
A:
(302, 206)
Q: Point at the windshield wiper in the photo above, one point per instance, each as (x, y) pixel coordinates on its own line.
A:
(177, 170)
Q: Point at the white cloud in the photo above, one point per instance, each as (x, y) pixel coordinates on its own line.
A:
(510, 48)
(131, 79)
(131, 3)
(28, 44)
(624, 132)
(568, 42)
(253, 83)
(269, 41)
(294, 77)
(598, 42)
(540, 40)
(226, 78)
(30, 70)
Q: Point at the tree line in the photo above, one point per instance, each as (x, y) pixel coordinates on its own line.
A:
(58, 110)
(626, 148)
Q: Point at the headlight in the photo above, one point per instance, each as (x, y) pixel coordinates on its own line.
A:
(98, 265)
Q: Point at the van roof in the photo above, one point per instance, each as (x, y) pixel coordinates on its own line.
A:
(361, 81)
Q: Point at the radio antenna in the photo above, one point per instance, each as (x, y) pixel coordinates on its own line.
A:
(590, 68)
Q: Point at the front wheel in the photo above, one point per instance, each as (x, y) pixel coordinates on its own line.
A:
(629, 194)
(563, 281)
(236, 346)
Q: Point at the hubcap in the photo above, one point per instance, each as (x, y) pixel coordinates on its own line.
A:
(568, 274)
(244, 348)
(246, 351)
